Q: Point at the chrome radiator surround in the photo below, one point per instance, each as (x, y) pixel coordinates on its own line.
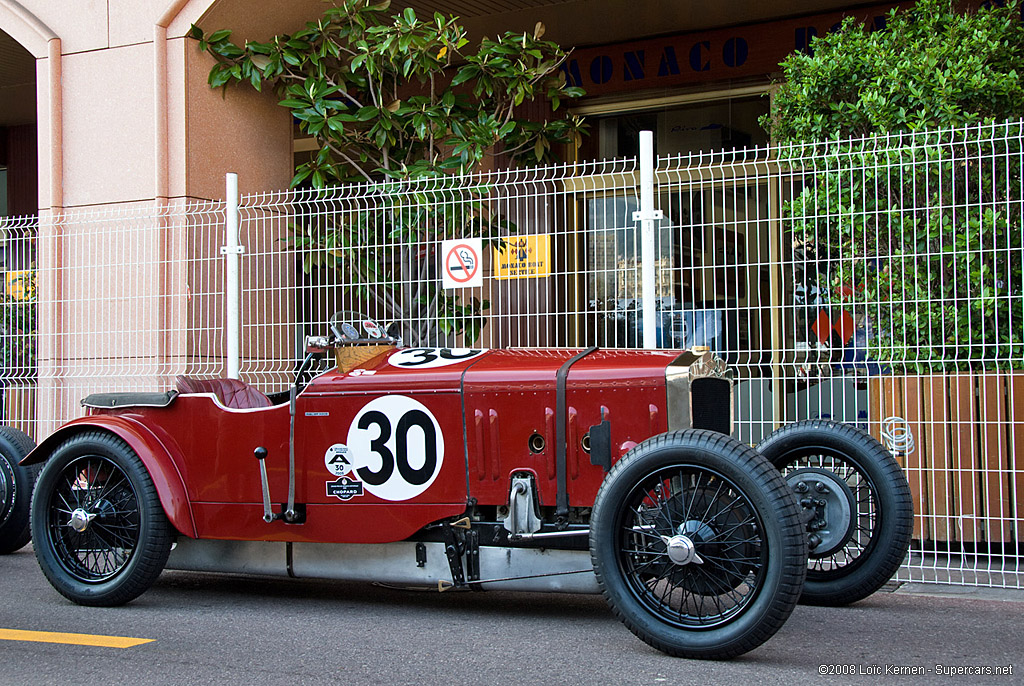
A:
(680, 375)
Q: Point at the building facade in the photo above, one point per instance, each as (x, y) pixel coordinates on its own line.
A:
(115, 93)
(105, 111)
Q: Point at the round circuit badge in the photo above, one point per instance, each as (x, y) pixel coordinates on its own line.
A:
(336, 459)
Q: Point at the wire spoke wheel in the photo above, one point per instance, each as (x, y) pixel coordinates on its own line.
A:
(102, 537)
(828, 559)
(93, 519)
(691, 546)
(698, 545)
(856, 503)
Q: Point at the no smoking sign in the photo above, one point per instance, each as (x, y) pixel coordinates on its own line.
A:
(461, 263)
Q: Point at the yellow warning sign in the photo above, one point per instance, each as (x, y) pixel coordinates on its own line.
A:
(19, 285)
(523, 257)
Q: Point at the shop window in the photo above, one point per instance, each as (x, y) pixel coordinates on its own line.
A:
(710, 249)
(711, 244)
(702, 127)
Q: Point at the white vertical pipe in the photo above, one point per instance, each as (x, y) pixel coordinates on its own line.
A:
(232, 252)
(647, 260)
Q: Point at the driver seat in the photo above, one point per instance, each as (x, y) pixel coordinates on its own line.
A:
(233, 393)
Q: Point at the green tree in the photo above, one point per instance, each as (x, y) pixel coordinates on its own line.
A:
(910, 209)
(401, 103)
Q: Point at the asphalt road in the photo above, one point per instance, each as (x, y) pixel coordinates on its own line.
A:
(225, 629)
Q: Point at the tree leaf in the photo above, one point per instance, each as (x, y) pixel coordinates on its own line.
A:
(367, 113)
(219, 75)
(465, 74)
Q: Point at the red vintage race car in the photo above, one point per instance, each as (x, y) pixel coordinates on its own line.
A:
(542, 470)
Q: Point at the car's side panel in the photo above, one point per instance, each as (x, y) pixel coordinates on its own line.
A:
(382, 446)
(626, 390)
(511, 396)
(381, 442)
(216, 449)
(160, 456)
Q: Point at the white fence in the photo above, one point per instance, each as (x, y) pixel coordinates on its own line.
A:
(866, 280)
(123, 299)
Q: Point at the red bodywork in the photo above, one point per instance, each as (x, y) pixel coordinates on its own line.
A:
(486, 406)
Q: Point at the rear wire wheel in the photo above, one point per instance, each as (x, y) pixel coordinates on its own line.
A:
(857, 501)
(697, 544)
(101, 535)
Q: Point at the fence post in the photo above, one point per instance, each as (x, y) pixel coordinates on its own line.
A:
(775, 302)
(232, 251)
(646, 216)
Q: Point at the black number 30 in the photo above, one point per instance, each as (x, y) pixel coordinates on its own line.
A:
(428, 355)
(400, 458)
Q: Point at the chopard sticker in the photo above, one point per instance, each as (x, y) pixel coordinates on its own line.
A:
(336, 460)
(344, 488)
(362, 372)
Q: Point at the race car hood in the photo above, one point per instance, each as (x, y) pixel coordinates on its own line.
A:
(411, 370)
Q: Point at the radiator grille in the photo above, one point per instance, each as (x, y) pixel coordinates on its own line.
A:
(711, 404)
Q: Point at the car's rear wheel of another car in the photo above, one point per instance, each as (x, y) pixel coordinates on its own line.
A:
(101, 535)
(15, 489)
(698, 545)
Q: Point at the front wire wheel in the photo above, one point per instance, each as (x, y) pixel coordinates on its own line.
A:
(697, 544)
(857, 504)
(101, 534)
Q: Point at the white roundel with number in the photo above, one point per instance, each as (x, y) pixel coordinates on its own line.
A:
(430, 358)
(395, 447)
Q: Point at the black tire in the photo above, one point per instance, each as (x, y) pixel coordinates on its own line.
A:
(853, 559)
(15, 489)
(741, 520)
(121, 537)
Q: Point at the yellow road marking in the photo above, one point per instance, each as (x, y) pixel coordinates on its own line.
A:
(72, 639)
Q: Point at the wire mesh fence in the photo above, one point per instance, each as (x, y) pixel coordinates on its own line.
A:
(18, 340)
(904, 255)
(875, 281)
(117, 299)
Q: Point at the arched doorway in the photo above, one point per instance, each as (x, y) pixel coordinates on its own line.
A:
(19, 204)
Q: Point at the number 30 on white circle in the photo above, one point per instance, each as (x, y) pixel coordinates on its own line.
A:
(396, 447)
